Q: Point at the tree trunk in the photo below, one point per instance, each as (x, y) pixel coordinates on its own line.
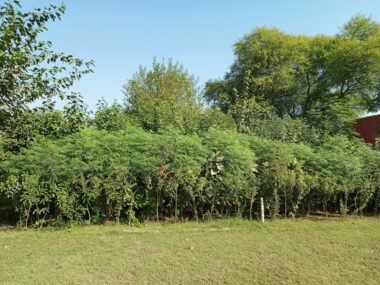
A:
(176, 203)
(251, 202)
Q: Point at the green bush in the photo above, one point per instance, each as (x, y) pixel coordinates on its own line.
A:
(133, 175)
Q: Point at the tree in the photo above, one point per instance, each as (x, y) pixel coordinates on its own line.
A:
(296, 75)
(264, 69)
(110, 118)
(30, 69)
(215, 118)
(22, 130)
(361, 28)
(167, 95)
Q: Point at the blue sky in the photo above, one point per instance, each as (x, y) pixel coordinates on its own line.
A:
(120, 35)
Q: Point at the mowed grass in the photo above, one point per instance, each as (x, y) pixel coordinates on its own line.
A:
(222, 252)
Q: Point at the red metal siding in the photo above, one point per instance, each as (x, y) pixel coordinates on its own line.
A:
(369, 128)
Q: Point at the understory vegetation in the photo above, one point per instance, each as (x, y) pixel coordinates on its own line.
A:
(280, 125)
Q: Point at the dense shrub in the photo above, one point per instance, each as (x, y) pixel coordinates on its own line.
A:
(133, 175)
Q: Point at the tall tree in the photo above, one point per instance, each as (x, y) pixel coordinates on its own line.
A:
(297, 75)
(29, 68)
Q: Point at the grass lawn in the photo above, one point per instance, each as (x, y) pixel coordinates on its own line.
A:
(222, 252)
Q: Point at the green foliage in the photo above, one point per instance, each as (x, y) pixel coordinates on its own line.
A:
(132, 175)
(215, 118)
(110, 118)
(299, 76)
(164, 96)
(22, 130)
(30, 70)
(96, 175)
(279, 126)
(333, 116)
(361, 28)
(230, 171)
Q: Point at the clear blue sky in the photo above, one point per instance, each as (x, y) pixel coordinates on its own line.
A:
(120, 35)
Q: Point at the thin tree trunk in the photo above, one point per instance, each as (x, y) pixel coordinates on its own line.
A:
(195, 210)
(285, 204)
(89, 215)
(212, 205)
(176, 203)
(157, 205)
(251, 202)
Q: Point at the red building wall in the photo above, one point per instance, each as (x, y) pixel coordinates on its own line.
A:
(369, 128)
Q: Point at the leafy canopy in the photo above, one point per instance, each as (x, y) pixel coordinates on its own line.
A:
(167, 95)
(296, 76)
(30, 69)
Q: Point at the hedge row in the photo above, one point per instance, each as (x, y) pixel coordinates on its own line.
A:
(134, 175)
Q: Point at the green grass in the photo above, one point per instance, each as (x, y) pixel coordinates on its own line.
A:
(223, 252)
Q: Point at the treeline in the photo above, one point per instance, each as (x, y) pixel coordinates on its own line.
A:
(280, 125)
